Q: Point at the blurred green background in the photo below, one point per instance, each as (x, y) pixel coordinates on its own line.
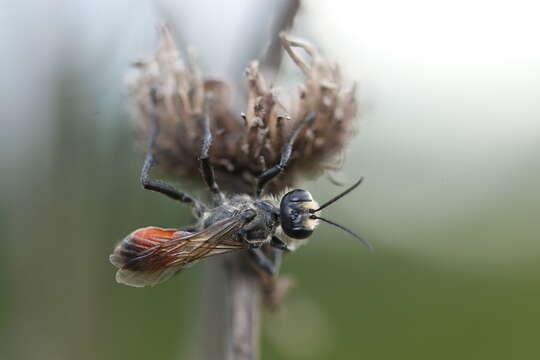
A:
(448, 144)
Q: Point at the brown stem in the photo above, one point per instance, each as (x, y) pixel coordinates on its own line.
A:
(230, 311)
(286, 14)
(242, 310)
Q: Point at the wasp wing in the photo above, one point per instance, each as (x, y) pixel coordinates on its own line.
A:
(151, 255)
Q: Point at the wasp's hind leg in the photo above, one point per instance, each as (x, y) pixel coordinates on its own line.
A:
(206, 167)
(274, 171)
(159, 186)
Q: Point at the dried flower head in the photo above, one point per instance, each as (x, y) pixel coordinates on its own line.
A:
(244, 143)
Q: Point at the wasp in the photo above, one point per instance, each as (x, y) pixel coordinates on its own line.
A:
(238, 222)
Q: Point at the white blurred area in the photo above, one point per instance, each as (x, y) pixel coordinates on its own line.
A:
(449, 128)
(450, 131)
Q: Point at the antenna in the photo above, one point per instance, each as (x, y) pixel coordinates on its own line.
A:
(333, 200)
(363, 241)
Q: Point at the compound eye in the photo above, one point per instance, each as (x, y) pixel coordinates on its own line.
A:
(298, 196)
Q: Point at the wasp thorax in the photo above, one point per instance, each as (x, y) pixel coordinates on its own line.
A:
(296, 212)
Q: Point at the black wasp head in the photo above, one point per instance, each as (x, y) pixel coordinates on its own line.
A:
(299, 214)
(296, 213)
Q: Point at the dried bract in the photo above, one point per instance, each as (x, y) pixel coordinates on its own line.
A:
(244, 143)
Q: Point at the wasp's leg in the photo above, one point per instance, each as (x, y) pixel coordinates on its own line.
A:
(279, 244)
(275, 257)
(264, 262)
(159, 186)
(206, 167)
(271, 173)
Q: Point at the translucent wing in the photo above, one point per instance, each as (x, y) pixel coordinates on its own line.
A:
(151, 255)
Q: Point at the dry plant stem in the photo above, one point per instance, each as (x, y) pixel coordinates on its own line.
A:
(210, 336)
(242, 310)
(271, 60)
(230, 310)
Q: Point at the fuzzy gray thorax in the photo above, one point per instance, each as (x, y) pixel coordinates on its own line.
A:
(260, 217)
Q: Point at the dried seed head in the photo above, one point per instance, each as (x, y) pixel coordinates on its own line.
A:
(244, 143)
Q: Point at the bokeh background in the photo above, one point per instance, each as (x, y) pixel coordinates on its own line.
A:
(448, 142)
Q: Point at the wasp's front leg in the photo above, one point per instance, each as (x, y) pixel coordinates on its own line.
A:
(279, 244)
(268, 258)
(267, 264)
